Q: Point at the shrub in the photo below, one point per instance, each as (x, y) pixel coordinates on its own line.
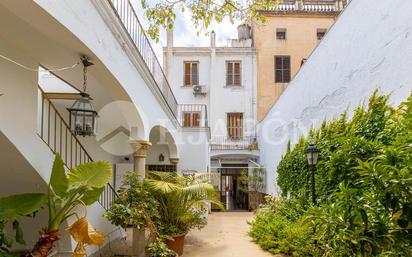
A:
(363, 185)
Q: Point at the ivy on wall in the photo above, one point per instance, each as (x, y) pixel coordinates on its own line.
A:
(363, 186)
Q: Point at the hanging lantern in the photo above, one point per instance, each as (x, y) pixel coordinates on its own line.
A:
(83, 117)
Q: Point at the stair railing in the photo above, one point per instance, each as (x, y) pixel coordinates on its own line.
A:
(56, 134)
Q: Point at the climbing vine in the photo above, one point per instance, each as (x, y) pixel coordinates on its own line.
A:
(363, 185)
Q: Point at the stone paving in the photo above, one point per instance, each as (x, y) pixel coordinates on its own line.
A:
(224, 236)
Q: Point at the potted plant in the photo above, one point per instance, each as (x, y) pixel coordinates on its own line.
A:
(134, 206)
(159, 249)
(134, 209)
(183, 203)
(81, 186)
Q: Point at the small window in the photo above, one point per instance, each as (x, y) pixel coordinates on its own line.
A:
(281, 34)
(161, 167)
(191, 119)
(235, 125)
(282, 69)
(233, 73)
(320, 33)
(191, 76)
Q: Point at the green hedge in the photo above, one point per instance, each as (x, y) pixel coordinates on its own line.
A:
(363, 185)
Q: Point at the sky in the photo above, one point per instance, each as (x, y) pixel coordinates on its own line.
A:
(186, 35)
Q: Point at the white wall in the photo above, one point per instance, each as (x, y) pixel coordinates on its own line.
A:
(369, 46)
(194, 150)
(18, 109)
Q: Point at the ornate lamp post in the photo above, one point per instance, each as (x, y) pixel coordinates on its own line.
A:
(83, 117)
(312, 153)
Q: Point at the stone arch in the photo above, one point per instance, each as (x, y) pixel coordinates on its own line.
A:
(163, 143)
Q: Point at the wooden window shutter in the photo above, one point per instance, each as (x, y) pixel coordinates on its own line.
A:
(187, 74)
(195, 73)
(229, 73)
(286, 69)
(236, 80)
(186, 119)
(282, 69)
(235, 125)
(195, 119)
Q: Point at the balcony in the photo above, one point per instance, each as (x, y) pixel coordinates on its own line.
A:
(193, 116)
(128, 17)
(248, 143)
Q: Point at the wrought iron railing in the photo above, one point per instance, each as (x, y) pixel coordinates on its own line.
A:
(200, 109)
(56, 133)
(227, 143)
(127, 15)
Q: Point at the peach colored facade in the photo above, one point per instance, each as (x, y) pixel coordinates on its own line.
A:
(301, 40)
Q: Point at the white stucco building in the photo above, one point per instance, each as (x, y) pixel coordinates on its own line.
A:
(223, 80)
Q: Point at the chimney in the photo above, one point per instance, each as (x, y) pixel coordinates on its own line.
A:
(169, 38)
(212, 39)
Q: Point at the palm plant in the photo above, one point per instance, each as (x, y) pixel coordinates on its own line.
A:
(183, 201)
(80, 186)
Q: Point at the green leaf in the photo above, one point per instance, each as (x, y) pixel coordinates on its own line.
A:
(14, 206)
(58, 179)
(91, 196)
(19, 232)
(91, 175)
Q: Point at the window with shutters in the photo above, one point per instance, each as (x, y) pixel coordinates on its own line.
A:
(282, 69)
(233, 73)
(281, 34)
(191, 76)
(191, 119)
(235, 125)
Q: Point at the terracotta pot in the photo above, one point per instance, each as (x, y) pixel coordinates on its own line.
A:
(176, 244)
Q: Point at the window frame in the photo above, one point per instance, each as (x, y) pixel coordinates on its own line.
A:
(191, 122)
(233, 75)
(283, 31)
(191, 73)
(235, 131)
(285, 77)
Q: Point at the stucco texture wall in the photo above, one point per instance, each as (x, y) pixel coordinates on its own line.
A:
(301, 39)
(369, 46)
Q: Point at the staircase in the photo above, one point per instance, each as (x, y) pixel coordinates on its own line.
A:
(56, 134)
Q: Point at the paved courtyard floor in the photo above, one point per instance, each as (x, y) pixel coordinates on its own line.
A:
(224, 236)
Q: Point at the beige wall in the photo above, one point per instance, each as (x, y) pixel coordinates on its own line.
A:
(300, 41)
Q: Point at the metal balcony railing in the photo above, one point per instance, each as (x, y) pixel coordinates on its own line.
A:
(227, 143)
(127, 15)
(193, 115)
(56, 133)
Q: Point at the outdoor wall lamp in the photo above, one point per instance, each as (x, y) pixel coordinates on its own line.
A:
(82, 118)
(161, 158)
(312, 154)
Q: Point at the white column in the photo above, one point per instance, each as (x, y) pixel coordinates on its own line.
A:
(140, 148)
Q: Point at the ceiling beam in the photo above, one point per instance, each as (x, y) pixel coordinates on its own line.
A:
(63, 96)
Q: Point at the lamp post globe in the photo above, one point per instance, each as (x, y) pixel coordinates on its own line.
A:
(312, 154)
